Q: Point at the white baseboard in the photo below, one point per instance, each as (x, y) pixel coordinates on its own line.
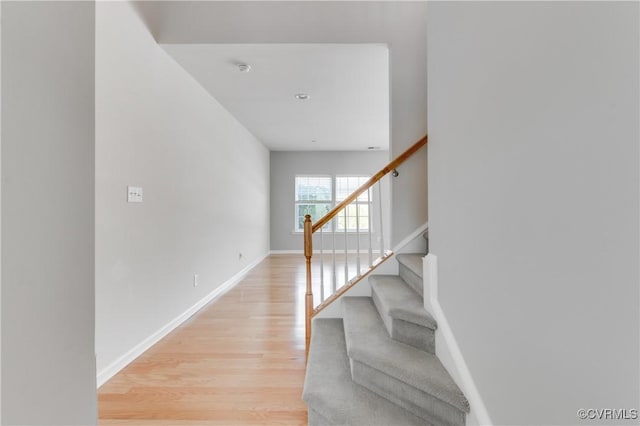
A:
(317, 252)
(113, 368)
(447, 349)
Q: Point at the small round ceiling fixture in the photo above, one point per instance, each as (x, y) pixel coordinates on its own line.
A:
(244, 67)
(302, 96)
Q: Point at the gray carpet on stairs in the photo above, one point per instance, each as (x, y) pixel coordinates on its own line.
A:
(315, 418)
(332, 397)
(368, 343)
(377, 366)
(402, 312)
(411, 271)
(400, 301)
(420, 403)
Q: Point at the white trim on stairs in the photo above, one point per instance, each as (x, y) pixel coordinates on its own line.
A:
(409, 238)
(447, 349)
(112, 369)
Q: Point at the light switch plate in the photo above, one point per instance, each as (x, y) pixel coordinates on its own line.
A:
(134, 194)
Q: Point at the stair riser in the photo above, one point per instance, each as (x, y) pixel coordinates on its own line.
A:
(413, 400)
(406, 332)
(414, 335)
(332, 397)
(414, 281)
(386, 319)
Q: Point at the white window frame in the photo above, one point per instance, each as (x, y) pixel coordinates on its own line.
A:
(369, 202)
(296, 202)
(334, 180)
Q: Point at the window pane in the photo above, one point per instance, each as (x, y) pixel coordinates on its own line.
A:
(313, 188)
(316, 210)
(345, 185)
(314, 196)
(354, 223)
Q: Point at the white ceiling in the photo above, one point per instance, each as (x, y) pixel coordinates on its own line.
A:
(400, 25)
(348, 85)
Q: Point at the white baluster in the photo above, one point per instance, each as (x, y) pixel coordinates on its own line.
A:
(369, 204)
(381, 227)
(357, 237)
(321, 264)
(346, 260)
(335, 274)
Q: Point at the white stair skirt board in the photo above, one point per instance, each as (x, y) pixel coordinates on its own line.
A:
(334, 310)
(447, 349)
(112, 369)
(406, 246)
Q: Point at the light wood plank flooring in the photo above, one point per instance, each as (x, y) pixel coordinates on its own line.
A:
(239, 361)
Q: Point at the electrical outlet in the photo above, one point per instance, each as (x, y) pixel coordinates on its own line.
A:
(195, 280)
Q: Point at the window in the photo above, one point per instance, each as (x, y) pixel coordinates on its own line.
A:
(345, 185)
(315, 195)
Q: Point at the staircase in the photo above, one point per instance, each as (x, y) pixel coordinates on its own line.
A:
(377, 365)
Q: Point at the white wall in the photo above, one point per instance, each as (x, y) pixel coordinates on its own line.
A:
(400, 24)
(0, 212)
(205, 180)
(48, 363)
(285, 165)
(533, 201)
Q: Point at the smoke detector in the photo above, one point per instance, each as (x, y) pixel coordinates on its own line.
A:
(244, 67)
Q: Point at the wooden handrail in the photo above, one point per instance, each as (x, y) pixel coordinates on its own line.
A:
(310, 228)
(368, 184)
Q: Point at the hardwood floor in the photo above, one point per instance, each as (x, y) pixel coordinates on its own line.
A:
(239, 361)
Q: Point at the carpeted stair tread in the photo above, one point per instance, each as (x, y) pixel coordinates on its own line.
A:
(368, 342)
(401, 301)
(411, 271)
(329, 390)
(413, 261)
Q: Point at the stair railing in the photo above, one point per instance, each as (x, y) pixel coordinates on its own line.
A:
(356, 219)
